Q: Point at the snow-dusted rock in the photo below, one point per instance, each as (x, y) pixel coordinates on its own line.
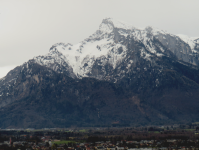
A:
(109, 47)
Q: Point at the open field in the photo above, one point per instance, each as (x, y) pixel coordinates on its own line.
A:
(83, 130)
(63, 142)
(190, 129)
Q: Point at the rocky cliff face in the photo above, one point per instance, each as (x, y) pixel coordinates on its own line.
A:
(120, 73)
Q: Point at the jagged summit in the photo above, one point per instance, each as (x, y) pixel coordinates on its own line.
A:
(155, 30)
(109, 46)
(193, 42)
(109, 24)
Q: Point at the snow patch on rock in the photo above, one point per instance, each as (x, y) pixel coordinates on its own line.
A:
(191, 41)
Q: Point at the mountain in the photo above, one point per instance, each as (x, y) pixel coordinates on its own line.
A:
(110, 46)
(118, 74)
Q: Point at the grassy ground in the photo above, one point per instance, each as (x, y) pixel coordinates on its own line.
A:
(83, 130)
(153, 132)
(63, 142)
(190, 129)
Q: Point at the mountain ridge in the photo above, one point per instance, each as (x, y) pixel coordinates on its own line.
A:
(103, 43)
(120, 73)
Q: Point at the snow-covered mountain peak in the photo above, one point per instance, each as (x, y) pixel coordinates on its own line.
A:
(109, 24)
(193, 42)
(60, 45)
(154, 30)
(83, 55)
(110, 46)
(134, 58)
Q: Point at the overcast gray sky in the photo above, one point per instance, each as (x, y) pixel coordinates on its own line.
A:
(29, 28)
